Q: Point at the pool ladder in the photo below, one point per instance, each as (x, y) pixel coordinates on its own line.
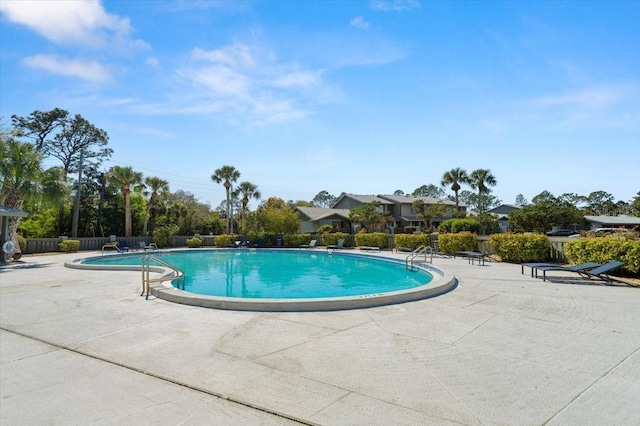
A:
(146, 269)
(420, 250)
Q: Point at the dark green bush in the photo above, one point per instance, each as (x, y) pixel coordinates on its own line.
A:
(411, 241)
(521, 247)
(296, 240)
(459, 225)
(410, 229)
(194, 242)
(603, 250)
(332, 239)
(454, 243)
(373, 239)
(69, 246)
(164, 236)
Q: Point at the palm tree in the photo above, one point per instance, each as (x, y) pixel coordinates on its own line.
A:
(227, 175)
(248, 191)
(125, 178)
(20, 175)
(455, 177)
(480, 179)
(157, 186)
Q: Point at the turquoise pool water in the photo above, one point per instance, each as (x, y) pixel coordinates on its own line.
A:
(282, 274)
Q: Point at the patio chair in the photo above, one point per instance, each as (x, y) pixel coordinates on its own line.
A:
(340, 245)
(143, 246)
(312, 244)
(550, 267)
(600, 272)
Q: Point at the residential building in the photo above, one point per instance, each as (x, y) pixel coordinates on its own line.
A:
(621, 221)
(314, 217)
(502, 213)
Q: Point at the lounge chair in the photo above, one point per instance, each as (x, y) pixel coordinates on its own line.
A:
(143, 246)
(369, 248)
(312, 244)
(600, 272)
(340, 245)
(551, 266)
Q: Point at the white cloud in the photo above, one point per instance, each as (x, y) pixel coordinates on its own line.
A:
(394, 5)
(219, 80)
(86, 70)
(360, 23)
(153, 62)
(236, 55)
(298, 79)
(67, 22)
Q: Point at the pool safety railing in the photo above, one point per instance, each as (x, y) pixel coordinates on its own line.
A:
(420, 250)
(146, 270)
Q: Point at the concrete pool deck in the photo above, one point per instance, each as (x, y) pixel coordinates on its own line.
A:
(81, 346)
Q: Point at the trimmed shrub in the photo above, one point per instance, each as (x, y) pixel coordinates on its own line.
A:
(411, 241)
(22, 242)
(459, 225)
(225, 240)
(373, 239)
(605, 249)
(325, 229)
(521, 247)
(329, 239)
(69, 246)
(410, 229)
(194, 242)
(164, 236)
(296, 240)
(454, 243)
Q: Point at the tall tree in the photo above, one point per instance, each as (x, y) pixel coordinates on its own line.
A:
(480, 180)
(521, 201)
(370, 216)
(39, 125)
(429, 212)
(125, 178)
(246, 191)
(430, 190)
(20, 174)
(157, 186)
(600, 203)
(455, 177)
(227, 175)
(323, 199)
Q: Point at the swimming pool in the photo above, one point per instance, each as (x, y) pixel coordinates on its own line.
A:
(285, 280)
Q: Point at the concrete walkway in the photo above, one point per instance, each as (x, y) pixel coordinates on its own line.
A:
(82, 347)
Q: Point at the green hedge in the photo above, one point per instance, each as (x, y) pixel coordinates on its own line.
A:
(521, 247)
(454, 243)
(225, 240)
(373, 239)
(332, 239)
(454, 226)
(69, 246)
(603, 250)
(194, 242)
(296, 240)
(411, 241)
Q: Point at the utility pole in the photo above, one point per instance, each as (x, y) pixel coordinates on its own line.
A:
(76, 208)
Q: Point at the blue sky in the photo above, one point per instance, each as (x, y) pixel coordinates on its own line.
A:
(361, 97)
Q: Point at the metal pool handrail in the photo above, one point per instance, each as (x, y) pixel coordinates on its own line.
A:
(146, 269)
(422, 249)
